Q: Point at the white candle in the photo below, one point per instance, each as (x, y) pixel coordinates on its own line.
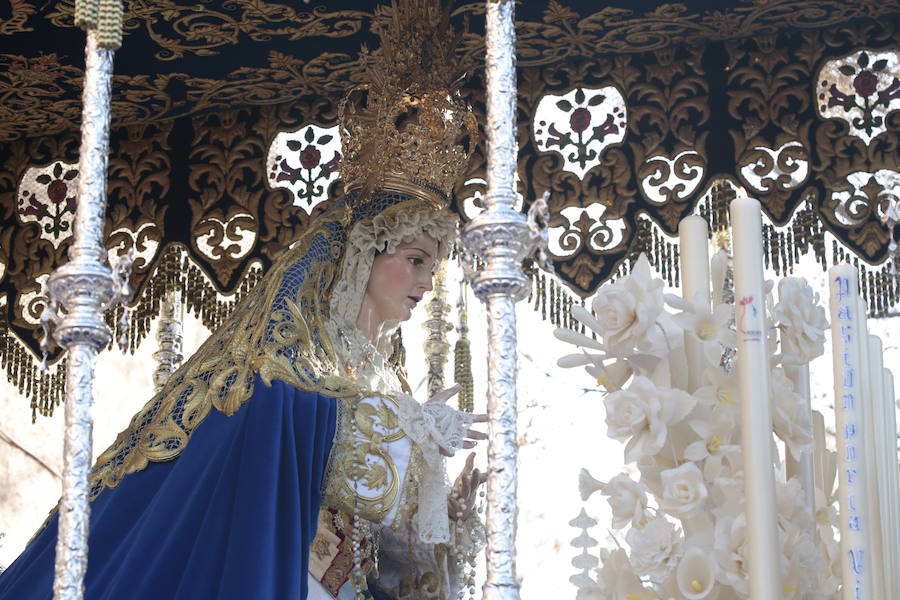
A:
(756, 412)
(693, 238)
(893, 527)
(885, 460)
(871, 437)
(849, 431)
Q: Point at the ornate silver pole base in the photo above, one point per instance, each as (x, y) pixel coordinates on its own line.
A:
(85, 287)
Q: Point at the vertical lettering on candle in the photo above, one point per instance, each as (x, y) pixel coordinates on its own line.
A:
(843, 288)
(849, 402)
(856, 560)
(849, 372)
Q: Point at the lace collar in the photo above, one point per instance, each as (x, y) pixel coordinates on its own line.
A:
(362, 362)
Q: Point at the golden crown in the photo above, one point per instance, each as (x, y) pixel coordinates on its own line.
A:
(406, 128)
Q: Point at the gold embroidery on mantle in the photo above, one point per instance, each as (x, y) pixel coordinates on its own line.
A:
(291, 345)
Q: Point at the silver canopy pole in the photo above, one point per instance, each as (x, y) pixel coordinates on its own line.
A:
(84, 288)
(501, 239)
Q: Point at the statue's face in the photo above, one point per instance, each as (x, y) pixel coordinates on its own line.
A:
(399, 280)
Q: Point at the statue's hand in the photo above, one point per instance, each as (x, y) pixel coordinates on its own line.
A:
(472, 435)
(461, 502)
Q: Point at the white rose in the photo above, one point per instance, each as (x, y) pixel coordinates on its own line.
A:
(730, 551)
(627, 309)
(684, 491)
(801, 320)
(642, 415)
(628, 500)
(655, 549)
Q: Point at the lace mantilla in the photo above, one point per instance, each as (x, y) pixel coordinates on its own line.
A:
(383, 233)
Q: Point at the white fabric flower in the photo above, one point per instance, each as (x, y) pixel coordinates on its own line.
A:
(655, 549)
(730, 552)
(799, 562)
(684, 491)
(642, 415)
(716, 443)
(628, 500)
(695, 577)
(709, 327)
(627, 309)
(617, 578)
(801, 319)
(791, 418)
(587, 485)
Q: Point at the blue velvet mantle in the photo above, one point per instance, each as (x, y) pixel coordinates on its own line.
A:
(231, 518)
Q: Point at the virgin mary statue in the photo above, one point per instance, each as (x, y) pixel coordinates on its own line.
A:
(287, 457)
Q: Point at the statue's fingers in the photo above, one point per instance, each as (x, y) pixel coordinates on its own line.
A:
(444, 395)
(481, 419)
(474, 434)
(470, 463)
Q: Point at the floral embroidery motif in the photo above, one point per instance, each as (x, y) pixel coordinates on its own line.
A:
(306, 162)
(580, 125)
(861, 89)
(47, 196)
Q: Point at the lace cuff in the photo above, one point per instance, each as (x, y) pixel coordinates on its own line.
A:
(433, 427)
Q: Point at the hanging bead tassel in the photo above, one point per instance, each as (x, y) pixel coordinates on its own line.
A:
(86, 12)
(109, 24)
(462, 356)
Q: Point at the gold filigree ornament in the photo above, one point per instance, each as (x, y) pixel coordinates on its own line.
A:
(406, 128)
(363, 478)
